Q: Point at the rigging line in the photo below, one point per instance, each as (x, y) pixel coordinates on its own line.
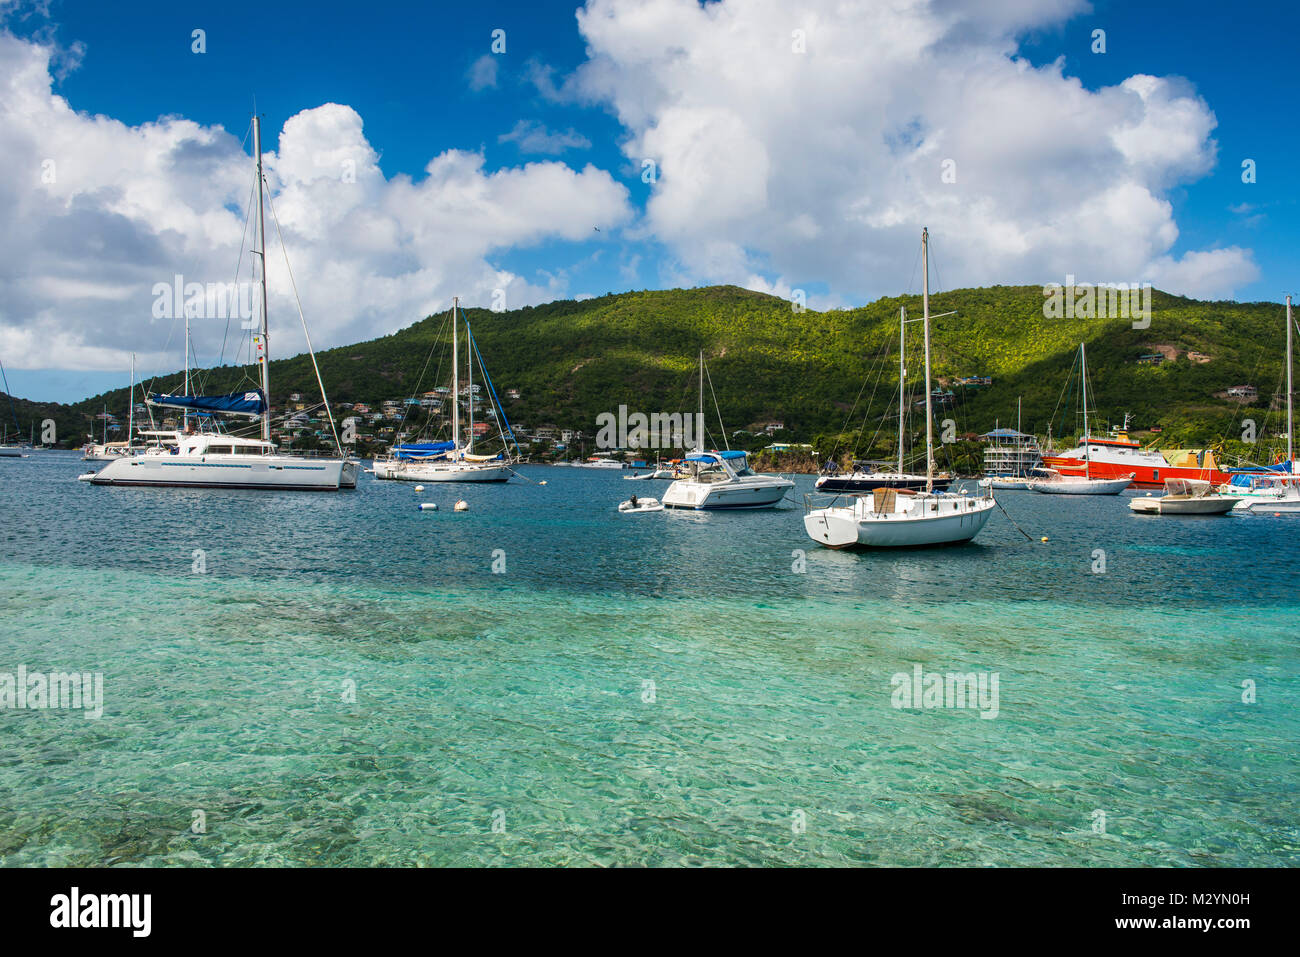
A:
(496, 402)
(248, 216)
(717, 408)
(306, 334)
(1011, 520)
(406, 410)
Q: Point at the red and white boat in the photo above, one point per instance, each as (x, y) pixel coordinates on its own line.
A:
(1118, 455)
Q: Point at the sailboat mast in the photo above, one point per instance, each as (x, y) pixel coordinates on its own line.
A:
(699, 439)
(265, 352)
(925, 324)
(455, 381)
(1083, 390)
(185, 413)
(469, 368)
(130, 406)
(902, 381)
(1289, 429)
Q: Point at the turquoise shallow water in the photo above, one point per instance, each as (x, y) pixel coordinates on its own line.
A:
(521, 699)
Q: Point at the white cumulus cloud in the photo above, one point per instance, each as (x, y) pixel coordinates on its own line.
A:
(97, 212)
(809, 142)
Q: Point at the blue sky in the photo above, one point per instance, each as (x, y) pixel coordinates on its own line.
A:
(405, 70)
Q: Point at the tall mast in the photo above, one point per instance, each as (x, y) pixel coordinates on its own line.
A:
(130, 406)
(469, 367)
(925, 324)
(106, 425)
(699, 439)
(1289, 430)
(265, 357)
(1083, 390)
(902, 381)
(185, 413)
(455, 381)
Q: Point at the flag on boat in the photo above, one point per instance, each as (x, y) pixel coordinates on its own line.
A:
(236, 403)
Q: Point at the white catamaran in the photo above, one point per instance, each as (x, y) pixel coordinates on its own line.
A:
(449, 461)
(894, 518)
(205, 459)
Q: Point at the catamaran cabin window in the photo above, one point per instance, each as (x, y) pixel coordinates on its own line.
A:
(218, 450)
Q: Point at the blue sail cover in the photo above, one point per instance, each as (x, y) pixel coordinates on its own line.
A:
(1241, 477)
(422, 450)
(237, 403)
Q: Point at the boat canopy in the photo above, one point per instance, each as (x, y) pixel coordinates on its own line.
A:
(730, 454)
(236, 403)
(422, 450)
(1242, 477)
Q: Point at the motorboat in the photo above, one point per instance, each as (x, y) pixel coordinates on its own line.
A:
(724, 480)
(1185, 497)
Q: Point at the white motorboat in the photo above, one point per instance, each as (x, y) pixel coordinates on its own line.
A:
(217, 460)
(1185, 497)
(720, 480)
(900, 518)
(599, 462)
(1267, 493)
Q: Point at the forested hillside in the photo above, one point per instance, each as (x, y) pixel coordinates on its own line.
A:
(819, 373)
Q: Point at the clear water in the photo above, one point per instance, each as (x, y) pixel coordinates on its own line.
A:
(520, 700)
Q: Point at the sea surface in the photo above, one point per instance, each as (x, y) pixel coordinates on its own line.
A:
(342, 679)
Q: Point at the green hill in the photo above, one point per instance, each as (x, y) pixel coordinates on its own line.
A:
(572, 360)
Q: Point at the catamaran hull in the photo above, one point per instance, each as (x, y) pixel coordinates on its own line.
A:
(273, 473)
(841, 528)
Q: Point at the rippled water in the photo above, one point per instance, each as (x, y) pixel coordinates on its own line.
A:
(650, 689)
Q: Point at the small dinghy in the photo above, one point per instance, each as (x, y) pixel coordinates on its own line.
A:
(641, 505)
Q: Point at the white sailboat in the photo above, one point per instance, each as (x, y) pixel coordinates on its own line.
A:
(722, 480)
(1058, 484)
(1272, 490)
(447, 461)
(198, 459)
(898, 518)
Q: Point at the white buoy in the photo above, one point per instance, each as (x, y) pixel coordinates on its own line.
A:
(462, 506)
(419, 488)
(428, 506)
(541, 483)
